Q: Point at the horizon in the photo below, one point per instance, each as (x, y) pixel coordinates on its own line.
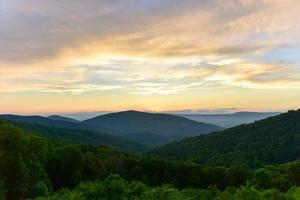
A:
(149, 55)
(88, 115)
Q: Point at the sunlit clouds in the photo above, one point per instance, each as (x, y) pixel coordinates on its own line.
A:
(140, 49)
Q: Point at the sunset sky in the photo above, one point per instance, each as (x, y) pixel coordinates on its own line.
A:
(153, 55)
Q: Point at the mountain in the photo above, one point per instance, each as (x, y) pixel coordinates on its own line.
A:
(61, 118)
(163, 126)
(272, 140)
(230, 120)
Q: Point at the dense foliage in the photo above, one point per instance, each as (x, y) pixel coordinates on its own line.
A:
(32, 166)
(273, 140)
(116, 188)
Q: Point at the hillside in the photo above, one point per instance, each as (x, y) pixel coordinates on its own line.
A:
(166, 127)
(33, 166)
(86, 137)
(230, 120)
(272, 140)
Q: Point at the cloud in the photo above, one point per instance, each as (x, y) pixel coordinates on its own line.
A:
(36, 30)
(153, 76)
(44, 80)
(146, 47)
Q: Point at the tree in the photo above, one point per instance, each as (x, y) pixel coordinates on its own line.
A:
(247, 193)
(217, 176)
(238, 175)
(40, 189)
(294, 173)
(262, 179)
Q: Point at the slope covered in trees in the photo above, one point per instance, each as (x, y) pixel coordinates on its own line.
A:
(32, 166)
(87, 137)
(272, 140)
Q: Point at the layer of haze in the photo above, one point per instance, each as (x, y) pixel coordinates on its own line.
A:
(74, 55)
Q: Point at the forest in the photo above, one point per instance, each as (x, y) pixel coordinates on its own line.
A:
(36, 167)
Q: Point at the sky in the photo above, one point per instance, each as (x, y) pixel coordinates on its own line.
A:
(152, 55)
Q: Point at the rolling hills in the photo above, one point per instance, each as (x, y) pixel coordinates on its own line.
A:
(54, 121)
(272, 140)
(61, 129)
(139, 127)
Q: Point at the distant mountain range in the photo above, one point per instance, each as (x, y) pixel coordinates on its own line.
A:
(144, 128)
(217, 117)
(230, 120)
(272, 140)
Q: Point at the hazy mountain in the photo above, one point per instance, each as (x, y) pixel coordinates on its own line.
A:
(166, 127)
(230, 120)
(272, 140)
(61, 118)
